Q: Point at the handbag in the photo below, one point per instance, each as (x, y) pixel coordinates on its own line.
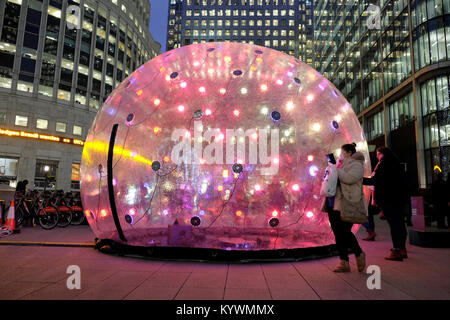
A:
(354, 212)
(330, 181)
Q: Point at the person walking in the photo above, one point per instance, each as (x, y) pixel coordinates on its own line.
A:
(439, 194)
(349, 192)
(372, 210)
(390, 194)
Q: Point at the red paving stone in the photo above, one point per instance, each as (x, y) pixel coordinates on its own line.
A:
(38, 272)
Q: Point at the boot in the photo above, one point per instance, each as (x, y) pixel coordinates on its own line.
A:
(361, 262)
(343, 266)
(395, 255)
(403, 252)
(371, 235)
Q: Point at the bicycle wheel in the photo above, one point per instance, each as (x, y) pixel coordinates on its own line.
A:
(20, 216)
(77, 217)
(48, 218)
(65, 216)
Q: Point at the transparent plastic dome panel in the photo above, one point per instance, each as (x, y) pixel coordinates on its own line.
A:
(218, 145)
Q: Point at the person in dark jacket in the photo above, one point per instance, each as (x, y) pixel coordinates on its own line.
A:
(439, 195)
(390, 194)
(22, 186)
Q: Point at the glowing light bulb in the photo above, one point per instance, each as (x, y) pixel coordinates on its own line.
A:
(274, 213)
(295, 187)
(202, 89)
(239, 213)
(221, 137)
(257, 187)
(156, 102)
(196, 63)
(87, 213)
(103, 213)
(276, 160)
(166, 159)
(208, 112)
(227, 59)
(264, 110)
(156, 129)
(236, 113)
(202, 161)
(264, 87)
(290, 74)
(139, 92)
(225, 173)
(290, 105)
(316, 127)
(338, 118)
(279, 82)
(183, 84)
(181, 108)
(310, 214)
(132, 212)
(310, 97)
(219, 188)
(244, 90)
(165, 212)
(310, 158)
(253, 68)
(187, 134)
(258, 59)
(313, 170)
(223, 91)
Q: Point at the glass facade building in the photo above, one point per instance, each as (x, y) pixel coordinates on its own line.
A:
(59, 61)
(391, 59)
(284, 25)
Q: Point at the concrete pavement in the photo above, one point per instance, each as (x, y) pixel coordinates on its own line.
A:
(39, 272)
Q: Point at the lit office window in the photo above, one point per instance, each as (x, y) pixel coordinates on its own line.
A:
(61, 127)
(21, 121)
(41, 124)
(77, 130)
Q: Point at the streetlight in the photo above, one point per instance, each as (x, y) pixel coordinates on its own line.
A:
(46, 170)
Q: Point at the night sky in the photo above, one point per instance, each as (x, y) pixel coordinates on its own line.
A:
(158, 21)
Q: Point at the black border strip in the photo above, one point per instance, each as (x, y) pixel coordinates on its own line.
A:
(112, 200)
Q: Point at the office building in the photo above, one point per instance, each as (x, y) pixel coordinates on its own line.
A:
(59, 61)
(391, 59)
(284, 25)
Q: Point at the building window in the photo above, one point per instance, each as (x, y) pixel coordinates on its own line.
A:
(41, 124)
(375, 126)
(61, 127)
(2, 117)
(75, 183)
(77, 130)
(8, 170)
(21, 121)
(45, 174)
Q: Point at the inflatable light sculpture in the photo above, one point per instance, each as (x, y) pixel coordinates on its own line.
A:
(216, 145)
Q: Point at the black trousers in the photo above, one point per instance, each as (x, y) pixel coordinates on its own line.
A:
(345, 239)
(395, 217)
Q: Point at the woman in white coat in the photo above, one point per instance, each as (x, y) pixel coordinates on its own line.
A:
(349, 198)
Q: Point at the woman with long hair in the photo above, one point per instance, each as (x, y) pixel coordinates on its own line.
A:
(349, 190)
(390, 194)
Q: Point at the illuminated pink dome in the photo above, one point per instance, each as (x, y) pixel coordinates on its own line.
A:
(216, 145)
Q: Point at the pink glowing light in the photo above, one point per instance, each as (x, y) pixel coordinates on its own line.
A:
(196, 63)
(295, 187)
(181, 108)
(310, 158)
(208, 112)
(223, 91)
(202, 89)
(279, 82)
(276, 160)
(183, 84)
(257, 187)
(156, 102)
(274, 213)
(313, 170)
(132, 212)
(236, 113)
(264, 87)
(310, 97)
(309, 214)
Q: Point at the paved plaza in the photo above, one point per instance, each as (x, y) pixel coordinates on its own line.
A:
(31, 271)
